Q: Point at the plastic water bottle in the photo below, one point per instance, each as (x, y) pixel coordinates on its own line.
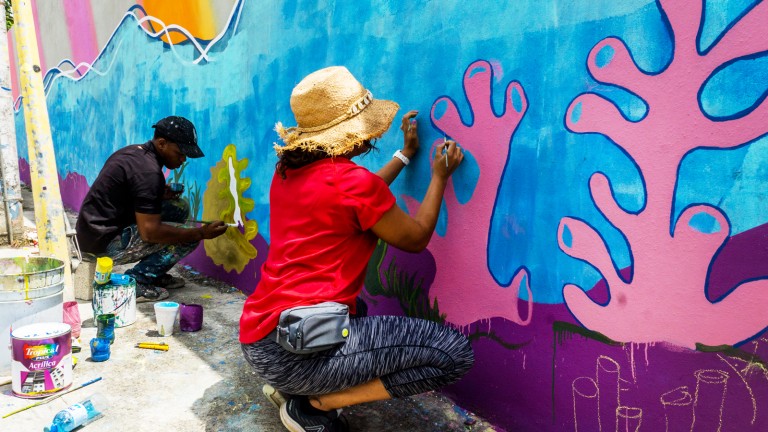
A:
(78, 414)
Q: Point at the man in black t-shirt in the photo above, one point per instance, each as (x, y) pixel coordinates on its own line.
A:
(130, 214)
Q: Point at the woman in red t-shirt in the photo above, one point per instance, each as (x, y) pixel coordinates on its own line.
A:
(326, 216)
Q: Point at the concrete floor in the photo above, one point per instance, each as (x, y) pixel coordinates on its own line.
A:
(202, 383)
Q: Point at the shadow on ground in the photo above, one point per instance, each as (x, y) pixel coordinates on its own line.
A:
(203, 383)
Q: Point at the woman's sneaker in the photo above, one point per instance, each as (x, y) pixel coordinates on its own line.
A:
(298, 415)
(148, 293)
(274, 396)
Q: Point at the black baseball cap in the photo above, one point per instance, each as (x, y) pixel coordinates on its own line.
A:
(182, 132)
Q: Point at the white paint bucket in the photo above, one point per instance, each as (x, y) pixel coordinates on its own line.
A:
(118, 297)
(42, 359)
(31, 291)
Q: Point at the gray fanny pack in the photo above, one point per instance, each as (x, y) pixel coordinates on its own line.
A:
(308, 329)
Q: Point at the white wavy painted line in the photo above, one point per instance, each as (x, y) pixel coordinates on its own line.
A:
(164, 31)
(73, 75)
(71, 72)
(236, 9)
(233, 190)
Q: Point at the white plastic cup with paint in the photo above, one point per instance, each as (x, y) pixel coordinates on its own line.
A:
(165, 317)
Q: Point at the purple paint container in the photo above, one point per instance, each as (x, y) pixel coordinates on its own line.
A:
(42, 359)
(191, 319)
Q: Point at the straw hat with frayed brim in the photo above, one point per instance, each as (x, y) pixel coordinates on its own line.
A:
(334, 113)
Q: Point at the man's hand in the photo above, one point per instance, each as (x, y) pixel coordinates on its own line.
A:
(153, 230)
(213, 229)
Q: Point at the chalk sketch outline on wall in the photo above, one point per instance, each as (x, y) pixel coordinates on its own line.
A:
(670, 262)
(597, 400)
(678, 409)
(711, 389)
(602, 413)
(742, 376)
(224, 200)
(138, 14)
(457, 253)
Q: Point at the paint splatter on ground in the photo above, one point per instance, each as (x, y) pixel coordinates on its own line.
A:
(203, 383)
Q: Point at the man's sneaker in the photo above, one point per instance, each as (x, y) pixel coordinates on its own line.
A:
(149, 293)
(169, 281)
(299, 416)
(274, 396)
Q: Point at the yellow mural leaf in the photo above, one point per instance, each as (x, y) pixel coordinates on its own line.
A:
(232, 250)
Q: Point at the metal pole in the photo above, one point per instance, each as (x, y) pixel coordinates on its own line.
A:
(49, 210)
(9, 159)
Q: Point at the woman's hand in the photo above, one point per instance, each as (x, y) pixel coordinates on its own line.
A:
(389, 172)
(448, 156)
(412, 233)
(410, 134)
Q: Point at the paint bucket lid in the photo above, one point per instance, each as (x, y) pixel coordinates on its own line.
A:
(41, 330)
(120, 279)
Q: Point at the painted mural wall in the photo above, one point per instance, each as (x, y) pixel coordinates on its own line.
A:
(604, 243)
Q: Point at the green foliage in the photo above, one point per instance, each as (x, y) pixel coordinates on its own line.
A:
(402, 286)
(480, 334)
(372, 278)
(413, 301)
(178, 174)
(194, 197)
(193, 193)
(8, 15)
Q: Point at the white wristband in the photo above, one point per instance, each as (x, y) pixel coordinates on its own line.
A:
(398, 154)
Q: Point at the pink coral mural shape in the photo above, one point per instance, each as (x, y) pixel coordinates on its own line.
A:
(665, 300)
(465, 290)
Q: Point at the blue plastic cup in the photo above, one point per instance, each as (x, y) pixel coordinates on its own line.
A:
(100, 349)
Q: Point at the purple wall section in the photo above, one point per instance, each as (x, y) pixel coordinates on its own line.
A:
(245, 281)
(562, 372)
(73, 187)
(570, 378)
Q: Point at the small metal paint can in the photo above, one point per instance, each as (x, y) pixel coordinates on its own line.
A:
(41, 359)
(116, 297)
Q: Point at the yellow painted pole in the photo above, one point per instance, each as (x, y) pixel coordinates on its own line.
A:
(9, 158)
(49, 210)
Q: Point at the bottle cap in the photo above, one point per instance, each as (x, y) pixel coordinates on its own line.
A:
(104, 264)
